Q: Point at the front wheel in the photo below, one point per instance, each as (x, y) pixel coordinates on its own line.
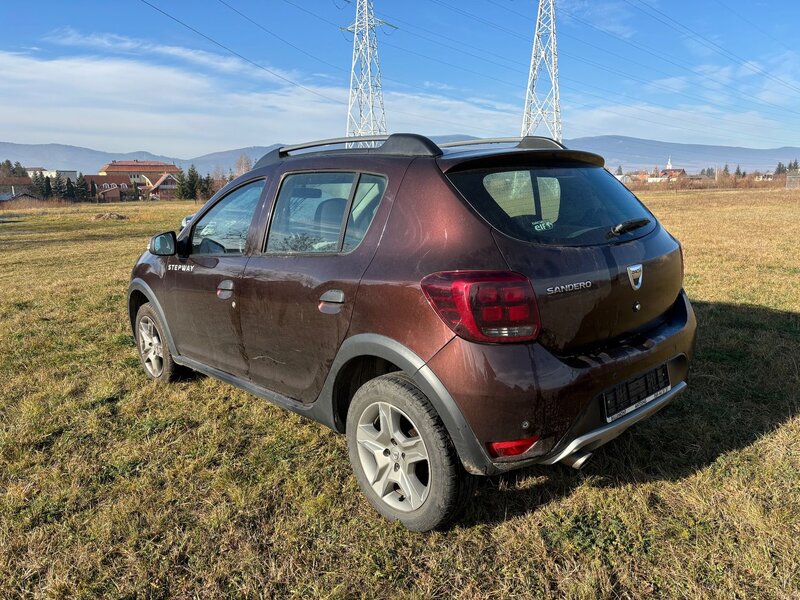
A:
(402, 456)
(152, 345)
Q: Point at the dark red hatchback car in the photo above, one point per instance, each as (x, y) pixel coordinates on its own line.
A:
(455, 310)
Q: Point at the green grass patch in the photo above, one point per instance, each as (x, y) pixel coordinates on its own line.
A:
(113, 486)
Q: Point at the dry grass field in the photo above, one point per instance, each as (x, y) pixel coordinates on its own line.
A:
(113, 486)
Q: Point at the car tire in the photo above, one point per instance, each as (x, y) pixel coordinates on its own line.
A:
(402, 456)
(154, 352)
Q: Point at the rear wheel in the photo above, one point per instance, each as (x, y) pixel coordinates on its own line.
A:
(152, 345)
(402, 456)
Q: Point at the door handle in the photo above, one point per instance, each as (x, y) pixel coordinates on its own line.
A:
(331, 302)
(333, 297)
(225, 289)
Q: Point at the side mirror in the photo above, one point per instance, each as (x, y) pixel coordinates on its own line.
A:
(163, 244)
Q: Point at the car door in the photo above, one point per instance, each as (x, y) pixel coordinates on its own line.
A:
(297, 295)
(204, 285)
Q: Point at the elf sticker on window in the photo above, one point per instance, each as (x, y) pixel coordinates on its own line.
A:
(543, 226)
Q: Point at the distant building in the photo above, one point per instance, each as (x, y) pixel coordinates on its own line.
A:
(31, 170)
(142, 172)
(639, 176)
(165, 188)
(666, 175)
(107, 188)
(673, 174)
(14, 186)
(23, 196)
(52, 174)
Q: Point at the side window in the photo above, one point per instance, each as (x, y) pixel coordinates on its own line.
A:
(309, 212)
(223, 229)
(311, 208)
(365, 204)
(513, 191)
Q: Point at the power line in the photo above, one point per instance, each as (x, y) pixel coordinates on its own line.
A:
(486, 53)
(587, 61)
(753, 25)
(711, 45)
(595, 64)
(750, 97)
(415, 115)
(291, 82)
(672, 125)
(242, 57)
(281, 39)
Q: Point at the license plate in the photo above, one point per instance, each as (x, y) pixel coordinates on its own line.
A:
(636, 392)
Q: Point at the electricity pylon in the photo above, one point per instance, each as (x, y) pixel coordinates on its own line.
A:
(365, 113)
(542, 101)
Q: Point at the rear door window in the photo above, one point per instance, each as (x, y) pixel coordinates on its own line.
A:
(571, 205)
(365, 203)
(323, 212)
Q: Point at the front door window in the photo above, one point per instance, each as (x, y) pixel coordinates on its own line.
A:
(224, 228)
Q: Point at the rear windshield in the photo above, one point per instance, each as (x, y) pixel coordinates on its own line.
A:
(572, 205)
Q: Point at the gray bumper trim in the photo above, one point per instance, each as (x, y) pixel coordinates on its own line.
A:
(597, 437)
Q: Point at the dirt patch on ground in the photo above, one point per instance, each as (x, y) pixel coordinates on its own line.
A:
(109, 216)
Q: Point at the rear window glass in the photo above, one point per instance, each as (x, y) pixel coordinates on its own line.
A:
(565, 205)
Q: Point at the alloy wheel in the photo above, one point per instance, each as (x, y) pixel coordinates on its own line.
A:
(150, 347)
(393, 456)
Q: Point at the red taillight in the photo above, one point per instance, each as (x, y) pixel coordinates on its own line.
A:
(485, 306)
(512, 447)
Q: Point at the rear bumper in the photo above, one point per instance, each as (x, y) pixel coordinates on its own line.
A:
(594, 438)
(519, 390)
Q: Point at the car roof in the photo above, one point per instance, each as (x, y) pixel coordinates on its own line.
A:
(448, 155)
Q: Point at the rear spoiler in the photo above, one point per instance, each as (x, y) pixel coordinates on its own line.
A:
(516, 157)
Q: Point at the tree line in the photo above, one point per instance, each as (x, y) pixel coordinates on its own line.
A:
(191, 186)
(781, 169)
(9, 170)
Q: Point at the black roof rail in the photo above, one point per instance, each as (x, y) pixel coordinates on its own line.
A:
(530, 142)
(397, 144)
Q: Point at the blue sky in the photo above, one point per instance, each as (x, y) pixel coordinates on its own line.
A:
(120, 76)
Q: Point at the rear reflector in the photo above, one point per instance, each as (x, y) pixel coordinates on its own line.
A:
(485, 306)
(512, 447)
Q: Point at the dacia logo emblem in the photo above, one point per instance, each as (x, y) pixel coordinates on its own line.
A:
(635, 276)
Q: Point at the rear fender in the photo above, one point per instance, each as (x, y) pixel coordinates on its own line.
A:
(469, 450)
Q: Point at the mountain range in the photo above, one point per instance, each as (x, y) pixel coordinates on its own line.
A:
(630, 153)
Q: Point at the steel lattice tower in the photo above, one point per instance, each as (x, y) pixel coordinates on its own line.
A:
(543, 101)
(365, 113)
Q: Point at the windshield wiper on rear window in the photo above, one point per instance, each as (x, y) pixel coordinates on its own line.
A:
(627, 226)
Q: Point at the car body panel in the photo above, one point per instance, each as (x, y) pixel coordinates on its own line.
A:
(205, 322)
(430, 230)
(610, 306)
(292, 336)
